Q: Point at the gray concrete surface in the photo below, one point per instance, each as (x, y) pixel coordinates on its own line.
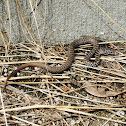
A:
(64, 20)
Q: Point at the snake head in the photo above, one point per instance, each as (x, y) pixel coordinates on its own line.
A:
(106, 51)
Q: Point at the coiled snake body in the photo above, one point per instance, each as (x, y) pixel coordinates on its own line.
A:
(59, 69)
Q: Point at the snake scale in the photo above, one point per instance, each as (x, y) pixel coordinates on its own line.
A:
(59, 69)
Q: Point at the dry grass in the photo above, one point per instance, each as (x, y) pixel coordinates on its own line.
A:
(38, 98)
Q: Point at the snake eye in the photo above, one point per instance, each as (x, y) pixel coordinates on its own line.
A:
(110, 51)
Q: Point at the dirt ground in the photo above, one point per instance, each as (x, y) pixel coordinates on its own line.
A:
(36, 98)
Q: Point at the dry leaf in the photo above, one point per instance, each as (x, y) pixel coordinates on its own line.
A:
(118, 66)
(101, 91)
(55, 116)
(65, 89)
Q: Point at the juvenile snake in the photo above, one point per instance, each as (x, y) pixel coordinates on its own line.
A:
(59, 69)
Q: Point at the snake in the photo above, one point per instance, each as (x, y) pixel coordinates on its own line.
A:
(70, 58)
